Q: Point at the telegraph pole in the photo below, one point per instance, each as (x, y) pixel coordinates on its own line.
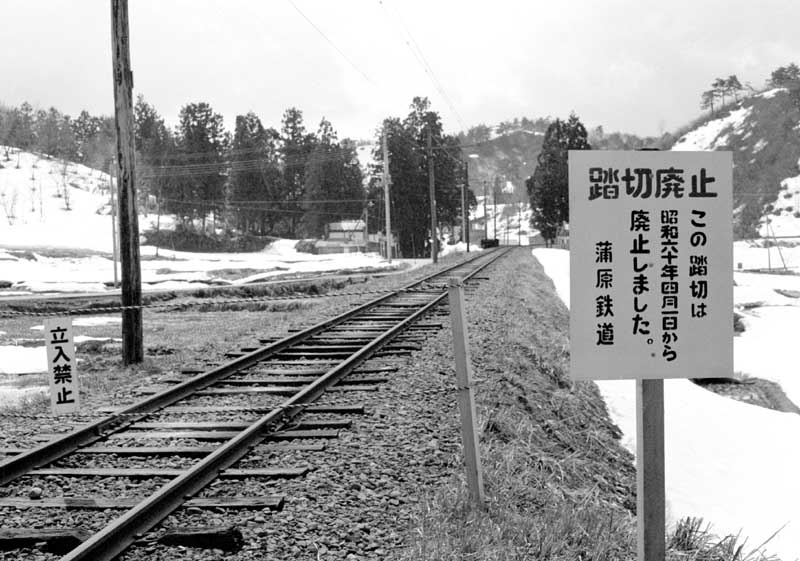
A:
(494, 200)
(464, 225)
(485, 216)
(432, 194)
(114, 241)
(386, 181)
(132, 343)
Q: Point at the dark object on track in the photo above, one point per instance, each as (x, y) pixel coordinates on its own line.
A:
(490, 243)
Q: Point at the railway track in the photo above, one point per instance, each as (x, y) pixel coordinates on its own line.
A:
(263, 396)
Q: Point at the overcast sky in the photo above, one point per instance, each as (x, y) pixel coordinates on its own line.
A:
(634, 66)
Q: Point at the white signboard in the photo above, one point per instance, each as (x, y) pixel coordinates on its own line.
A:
(651, 264)
(61, 365)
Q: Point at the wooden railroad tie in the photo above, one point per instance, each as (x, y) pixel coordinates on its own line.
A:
(357, 409)
(272, 502)
(146, 473)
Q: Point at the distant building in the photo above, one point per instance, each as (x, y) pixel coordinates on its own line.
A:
(352, 231)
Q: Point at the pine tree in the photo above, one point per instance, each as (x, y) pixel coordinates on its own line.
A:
(707, 100)
(548, 187)
(733, 86)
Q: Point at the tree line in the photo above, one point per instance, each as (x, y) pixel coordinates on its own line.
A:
(283, 182)
(731, 88)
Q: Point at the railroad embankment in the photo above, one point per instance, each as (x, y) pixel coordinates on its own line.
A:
(559, 484)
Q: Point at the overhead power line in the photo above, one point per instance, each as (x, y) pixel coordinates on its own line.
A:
(420, 57)
(331, 43)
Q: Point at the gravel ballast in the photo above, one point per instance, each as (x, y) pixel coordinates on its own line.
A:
(364, 490)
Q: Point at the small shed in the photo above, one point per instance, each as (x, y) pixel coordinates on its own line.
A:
(346, 231)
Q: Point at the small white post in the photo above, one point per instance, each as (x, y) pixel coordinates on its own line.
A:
(466, 399)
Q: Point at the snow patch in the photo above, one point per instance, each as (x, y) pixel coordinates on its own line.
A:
(726, 461)
(771, 93)
(759, 146)
(783, 222)
(706, 137)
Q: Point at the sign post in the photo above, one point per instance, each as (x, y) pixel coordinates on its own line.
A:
(651, 291)
(650, 491)
(466, 399)
(61, 365)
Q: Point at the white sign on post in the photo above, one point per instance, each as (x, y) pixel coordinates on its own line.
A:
(61, 365)
(651, 264)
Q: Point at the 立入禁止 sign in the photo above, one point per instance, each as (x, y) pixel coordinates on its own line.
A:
(651, 264)
(61, 365)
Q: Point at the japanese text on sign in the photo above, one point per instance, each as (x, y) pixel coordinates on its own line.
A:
(651, 264)
(61, 366)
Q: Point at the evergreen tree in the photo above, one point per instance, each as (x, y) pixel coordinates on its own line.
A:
(296, 147)
(67, 145)
(733, 86)
(720, 88)
(408, 167)
(785, 76)
(202, 144)
(407, 197)
(8, 127)
(548, 187)
(84, 129)
(707, 100)
(256, 180)
(333, 182)
(155, 147)
(24, 136)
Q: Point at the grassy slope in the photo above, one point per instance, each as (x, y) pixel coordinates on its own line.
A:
(559, 484)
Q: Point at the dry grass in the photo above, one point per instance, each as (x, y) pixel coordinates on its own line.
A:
(559, 484)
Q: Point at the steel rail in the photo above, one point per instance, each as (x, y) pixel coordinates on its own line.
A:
(121, 533)
(16, 466)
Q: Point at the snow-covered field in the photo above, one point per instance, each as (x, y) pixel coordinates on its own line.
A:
(731, 463)
(51, 243)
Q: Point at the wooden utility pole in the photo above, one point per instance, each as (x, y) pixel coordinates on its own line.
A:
(386, 181)
(466, 397)
(494, 212)
(132, 344)
(432, 194)
(485, 215)
(650, 493)
(464, 224)
(114, 241)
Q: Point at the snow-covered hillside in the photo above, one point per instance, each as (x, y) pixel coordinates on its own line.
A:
(52, 203)
(53, 243)
(511, 220)
(765, 154)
